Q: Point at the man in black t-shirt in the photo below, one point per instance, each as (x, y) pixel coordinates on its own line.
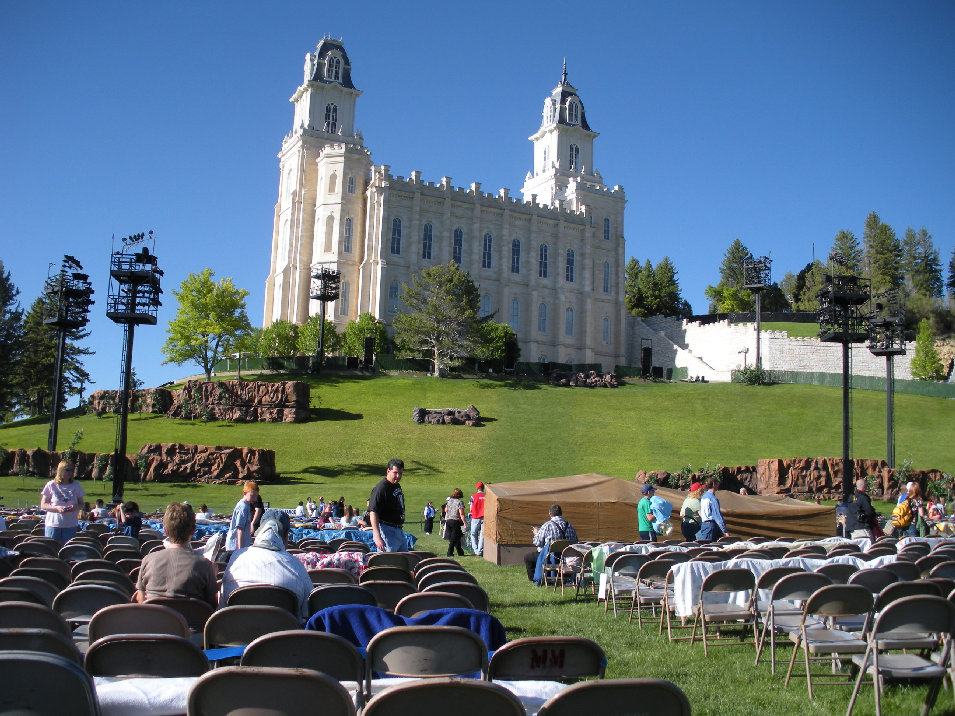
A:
(386, 510)
(862, 514)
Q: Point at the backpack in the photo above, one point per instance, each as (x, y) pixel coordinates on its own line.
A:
(902, 514)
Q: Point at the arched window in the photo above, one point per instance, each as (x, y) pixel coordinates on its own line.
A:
(346, 237)
(485, 305)
(396, 236)
(394, 290)
(343, 299)
(569, 266)
(574, 157)
(486, 251)
(542, 261)
(333, 68)
(515, 321)
(606, 330)
(606, 229)
(351, 185)
(569, 321)
(426, 236)
(331, 118)
(573, 111)
(333, 183)
(606, 277)
(515, 256)
(457, 246)
(542, 318)
(329, 233)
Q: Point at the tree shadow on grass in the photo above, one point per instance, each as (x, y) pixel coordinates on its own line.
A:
(508, 383)
(331, 414)
(371, 470)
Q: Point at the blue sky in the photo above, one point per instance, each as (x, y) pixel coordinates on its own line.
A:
(776, 122)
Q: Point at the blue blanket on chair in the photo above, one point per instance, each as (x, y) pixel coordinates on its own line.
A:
(359, 623)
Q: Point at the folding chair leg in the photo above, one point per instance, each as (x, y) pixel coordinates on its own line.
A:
(792, 660)
(855, 689)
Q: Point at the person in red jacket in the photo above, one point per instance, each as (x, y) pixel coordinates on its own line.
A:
(477, 520)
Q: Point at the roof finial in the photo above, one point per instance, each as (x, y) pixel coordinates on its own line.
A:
(563, 76)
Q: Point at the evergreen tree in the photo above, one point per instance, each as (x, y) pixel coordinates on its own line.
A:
(951, 275)
(647, 287)
(35, 373)
(847, 245)
(631, 280)
(921, 263)
(11, 342)
(926, 365)
(731, 268)
(883, 254)
(667, 289)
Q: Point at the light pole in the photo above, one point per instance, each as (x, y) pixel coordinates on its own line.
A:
(326, 287)
(134, 290)
(885, 339)
(841, 321)
(73, 293)
(756, 278)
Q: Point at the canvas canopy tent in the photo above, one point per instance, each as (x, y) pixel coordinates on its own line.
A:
(603, 508)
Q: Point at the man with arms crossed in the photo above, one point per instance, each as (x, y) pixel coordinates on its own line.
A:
(386, 510)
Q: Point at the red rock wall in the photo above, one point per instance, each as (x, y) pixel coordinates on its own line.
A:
(151, 400)
(242, 401)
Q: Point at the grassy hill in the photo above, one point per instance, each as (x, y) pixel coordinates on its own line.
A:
(531, 431)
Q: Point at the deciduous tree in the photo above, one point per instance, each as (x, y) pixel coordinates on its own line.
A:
(308, 334)
(279, 338)
(211, 317)
(440, 315)
(354, 333)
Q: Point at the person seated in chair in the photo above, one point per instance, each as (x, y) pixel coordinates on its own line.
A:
(267, 562)
(129, 520)
(177, 571)
(555, 528)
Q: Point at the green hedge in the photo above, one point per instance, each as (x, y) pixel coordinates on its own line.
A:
(864, 382)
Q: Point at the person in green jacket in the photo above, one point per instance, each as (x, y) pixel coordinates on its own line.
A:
(645, 516)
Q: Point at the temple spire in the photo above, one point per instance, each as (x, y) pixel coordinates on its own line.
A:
(563, 76)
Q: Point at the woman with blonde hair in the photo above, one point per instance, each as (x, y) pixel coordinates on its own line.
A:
(61, 499)
(690, 513)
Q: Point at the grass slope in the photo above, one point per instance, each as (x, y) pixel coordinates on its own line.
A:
(531, 431)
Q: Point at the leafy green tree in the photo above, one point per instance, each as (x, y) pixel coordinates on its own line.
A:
(280, 338)
(210, 319)
(774, 300)
(808, 283)
(847, 245)
(921, 263)
(11, 341)
(926, 365)
(495, 337)
(440, 315)
(308, 334)
(883, 254)
(353, 335)
(35, 370)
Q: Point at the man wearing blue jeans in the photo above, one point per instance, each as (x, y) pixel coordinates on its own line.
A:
(386, 510)
(713, 526)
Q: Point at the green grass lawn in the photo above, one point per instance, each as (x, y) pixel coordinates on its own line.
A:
(535, 431)
(795, 330)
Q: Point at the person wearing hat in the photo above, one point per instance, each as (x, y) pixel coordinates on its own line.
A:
(476, 506)
(690, 513)
(645, 516)
(267, 562)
